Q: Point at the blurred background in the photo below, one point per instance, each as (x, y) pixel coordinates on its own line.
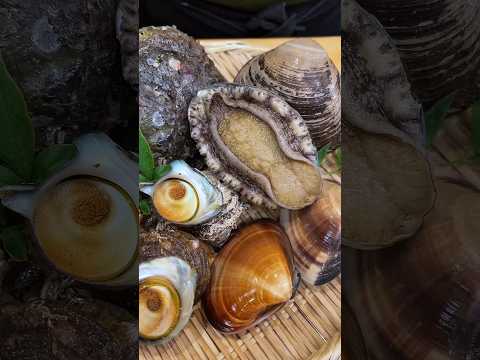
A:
(244, 18)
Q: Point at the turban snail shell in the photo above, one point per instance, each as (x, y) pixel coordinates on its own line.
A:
(439, 44)
(173, 242)
(172, 67)
(252, 277)
(166, 293)
(257, 143)
(301, 72)
(86, 212)
(315, 235)
(184, 195)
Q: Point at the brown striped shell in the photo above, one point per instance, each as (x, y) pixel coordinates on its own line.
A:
(257, 144)
(252, 277)
(301, 72)
(315, 235)
(439, 44)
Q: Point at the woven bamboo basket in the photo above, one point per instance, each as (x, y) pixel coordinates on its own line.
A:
(308, 327)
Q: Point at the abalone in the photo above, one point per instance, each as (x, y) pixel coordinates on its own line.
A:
(172, 68)
(257, 144)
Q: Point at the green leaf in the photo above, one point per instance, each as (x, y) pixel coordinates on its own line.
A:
(435, 117)
(14, 242)
(146, 162)
(338, 158)
(51, 159)
(8, 177)
(322, 153)
(16, 130)
(476, 128)
(142, 178)
(160, 171)
(144, 206)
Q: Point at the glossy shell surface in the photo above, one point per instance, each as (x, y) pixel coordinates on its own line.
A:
(301, 72)
(166, 294)
(257, 144)
(252, 276)
(315, 235)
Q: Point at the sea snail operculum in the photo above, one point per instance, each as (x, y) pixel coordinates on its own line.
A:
(257, 144)
(184, 196)
(86, 212)
(301, 72)
(166, 295)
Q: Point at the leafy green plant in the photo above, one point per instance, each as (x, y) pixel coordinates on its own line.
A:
(148, 171)
(322, 154)
(144, 206)
(435, 117)
(19, 164)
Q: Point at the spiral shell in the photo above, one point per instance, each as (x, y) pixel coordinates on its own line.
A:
(257, 144)
(184, 196)
(301, 72)
(166, 293)
(252, 276)
(86, 212)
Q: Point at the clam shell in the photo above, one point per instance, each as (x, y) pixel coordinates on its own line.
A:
(257, 144)
(420, 299)
(167, 287)
(174, 242)
(301, 72)
(252, 277)
(315, 235)
(439, 44)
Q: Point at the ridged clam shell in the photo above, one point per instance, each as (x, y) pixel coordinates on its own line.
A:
(439, 43)
(257, 144)
(420, 299)
(301, 72)
(252, 277)
(167, 287)
(315, 235)
(177, 243)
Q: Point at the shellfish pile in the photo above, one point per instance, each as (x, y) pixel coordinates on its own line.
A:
(258, 143)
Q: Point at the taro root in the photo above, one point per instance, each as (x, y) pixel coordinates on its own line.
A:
(257, 144)
(420, 299)
(127, 35)
(376, 93)
(439, 43)
(301, 72)
(252, 277)
(172, 68)
(78, 329)
(64, 57)
(315, 235)
(389, 189)
(177, 243)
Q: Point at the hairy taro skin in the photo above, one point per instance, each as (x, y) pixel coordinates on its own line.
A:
(172, 68)
(75, 330)
(64, 56)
